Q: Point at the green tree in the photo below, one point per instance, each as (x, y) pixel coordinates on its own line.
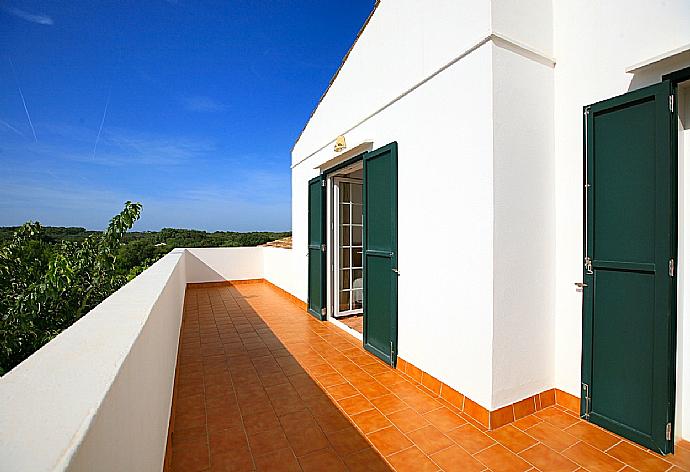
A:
(45, 287)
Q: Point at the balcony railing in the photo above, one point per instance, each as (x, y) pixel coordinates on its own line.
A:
(98, 396)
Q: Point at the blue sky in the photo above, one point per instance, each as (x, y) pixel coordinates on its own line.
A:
(190, 107)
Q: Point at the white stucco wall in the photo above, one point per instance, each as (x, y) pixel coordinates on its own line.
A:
(594, 42)
(405, 42)
(444, 134)
(683, 348)
(527, 23)
(217, 264)
(535, 127)
(98, 396)
(278, 269)
(460, 134)
(523, 230)
(214, 264)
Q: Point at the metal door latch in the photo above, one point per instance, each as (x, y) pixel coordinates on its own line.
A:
(397, 272)
(580, 286)
(588, 265)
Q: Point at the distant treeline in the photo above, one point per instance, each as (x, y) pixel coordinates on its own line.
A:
(52, 276)
(170, 236)
(141, 248)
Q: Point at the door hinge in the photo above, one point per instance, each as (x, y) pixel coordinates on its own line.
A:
(668, 431)
(671, 268)
(323, 311)
(323, 182)
(588, 400)
(671, 101)
(323, 248)
(392, 352)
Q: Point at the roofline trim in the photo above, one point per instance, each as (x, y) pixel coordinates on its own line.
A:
(342, 63)
(465, 53)
(498, 39)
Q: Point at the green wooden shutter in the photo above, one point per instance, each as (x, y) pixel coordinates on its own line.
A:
(316, 293)
(381, 252)
(629, 302)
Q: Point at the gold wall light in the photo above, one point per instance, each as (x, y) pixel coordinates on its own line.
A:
(339, 144)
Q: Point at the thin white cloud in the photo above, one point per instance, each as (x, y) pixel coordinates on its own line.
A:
(202, 104)
(21, 95)
(11, 128)
(66, 202)
(121, 147)
(30, 17)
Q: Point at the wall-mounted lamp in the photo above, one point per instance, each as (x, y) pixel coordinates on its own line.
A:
(339, 144)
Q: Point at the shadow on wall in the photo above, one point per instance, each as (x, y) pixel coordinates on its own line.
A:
(653, 73)
(201, 271)
(242, 399)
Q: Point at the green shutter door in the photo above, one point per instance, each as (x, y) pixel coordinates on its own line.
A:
(380, 252)
(316, 293)
(629, 301)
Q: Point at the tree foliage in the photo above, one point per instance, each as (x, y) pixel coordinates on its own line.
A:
(45, 287)
(52, 276)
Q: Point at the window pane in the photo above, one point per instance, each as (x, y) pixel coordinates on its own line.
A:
(357, 214)
(344, 214)
(345, 279)
(357, 296)
(356, 190)
(356, 258)
(344, 301)
(344, 235)
(345, 258)
(344, 192)
(356, 235)
(357, 278)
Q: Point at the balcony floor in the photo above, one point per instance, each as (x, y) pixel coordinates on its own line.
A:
(261, 385)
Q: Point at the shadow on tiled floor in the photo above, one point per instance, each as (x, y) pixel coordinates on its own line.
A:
(244, 402)
(261, 385)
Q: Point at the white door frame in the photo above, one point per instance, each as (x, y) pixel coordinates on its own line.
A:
(335, 229)
(332, 253)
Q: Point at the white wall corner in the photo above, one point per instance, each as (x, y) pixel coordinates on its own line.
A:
(523, 230)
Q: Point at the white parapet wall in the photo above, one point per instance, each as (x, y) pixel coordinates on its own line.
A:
(279, 269)
(215, 264)
(98, 396)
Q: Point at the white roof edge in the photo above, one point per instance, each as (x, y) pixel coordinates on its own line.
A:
(661, 57)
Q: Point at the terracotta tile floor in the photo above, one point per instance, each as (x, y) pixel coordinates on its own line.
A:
(261, 385)
(355, 322)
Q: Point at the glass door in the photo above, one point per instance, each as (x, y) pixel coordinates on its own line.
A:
(348, 239)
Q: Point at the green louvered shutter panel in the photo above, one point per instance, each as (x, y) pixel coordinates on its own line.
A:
(316, 294)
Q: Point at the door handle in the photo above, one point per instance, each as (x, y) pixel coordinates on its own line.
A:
(580, 286)
(397, 272)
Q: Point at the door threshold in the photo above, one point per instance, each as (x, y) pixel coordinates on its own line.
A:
(347, 329)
